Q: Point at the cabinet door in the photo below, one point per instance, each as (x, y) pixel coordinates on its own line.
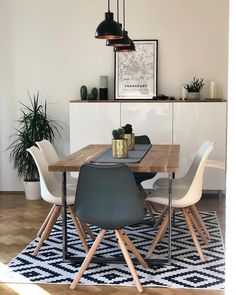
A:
(92, 123)
(152, 119)
(194, 123)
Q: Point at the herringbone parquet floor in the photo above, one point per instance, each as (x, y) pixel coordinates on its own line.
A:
(19, 222)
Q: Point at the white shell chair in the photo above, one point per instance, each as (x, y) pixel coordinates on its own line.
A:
(185, 197)
(186, 180)
(52, 156)
(51, 193)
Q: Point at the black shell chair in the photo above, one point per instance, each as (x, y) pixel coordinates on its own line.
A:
(107, 196)
(142, 176)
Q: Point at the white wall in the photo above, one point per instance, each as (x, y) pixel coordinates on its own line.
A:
(50, 46)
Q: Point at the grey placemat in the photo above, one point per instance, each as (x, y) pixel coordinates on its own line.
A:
(134, 156)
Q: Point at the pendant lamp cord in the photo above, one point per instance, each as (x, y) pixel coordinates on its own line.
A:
(117, 7)
(124, 14)
(108, 5)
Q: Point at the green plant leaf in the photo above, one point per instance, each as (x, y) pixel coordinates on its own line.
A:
(33, 125)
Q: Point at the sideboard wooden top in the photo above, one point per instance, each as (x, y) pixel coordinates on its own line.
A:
(147, 101)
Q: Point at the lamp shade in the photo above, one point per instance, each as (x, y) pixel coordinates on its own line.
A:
(125, 41)
(129, 48)
(109, 29)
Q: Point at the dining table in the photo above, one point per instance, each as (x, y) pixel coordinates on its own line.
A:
(158, 158)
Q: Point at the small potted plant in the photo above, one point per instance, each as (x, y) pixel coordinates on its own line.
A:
(33, 125)
(194, 88)
(129, 135)
(119, 144)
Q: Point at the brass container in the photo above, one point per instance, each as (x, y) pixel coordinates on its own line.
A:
(119, 148)
(130, 140)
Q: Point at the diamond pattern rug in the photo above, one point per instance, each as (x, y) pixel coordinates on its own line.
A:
(185, 271)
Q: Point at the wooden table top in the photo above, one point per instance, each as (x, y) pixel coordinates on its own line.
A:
(160, 158)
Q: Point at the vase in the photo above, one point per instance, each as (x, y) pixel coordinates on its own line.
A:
(130, 141)
(213, 90)
(119, 148)
(193, 95)
(183, 92)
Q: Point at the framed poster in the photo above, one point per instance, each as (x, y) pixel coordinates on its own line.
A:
(136, 71)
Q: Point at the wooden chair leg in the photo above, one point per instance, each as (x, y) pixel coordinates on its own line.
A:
(198, 218)
(194, 237)
(87, 230)
(132, 248)
(48, 228)
(147, 204)
(129, 261)
(55, 219)
(159, 234)
(160, 218)
(197, 227)
(88, 258)
(78, 229)
(45, 221)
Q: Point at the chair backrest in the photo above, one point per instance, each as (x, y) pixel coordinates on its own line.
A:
(48, 150)
(194, 166)
(107, 196)
(49, 185)
(195, 190)
(142, 139)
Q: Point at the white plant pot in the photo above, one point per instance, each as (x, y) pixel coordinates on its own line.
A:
(32, 190)
(193, 95)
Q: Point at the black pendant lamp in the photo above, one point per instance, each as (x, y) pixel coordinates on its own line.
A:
(125, 47)
(129, 48)
(109, 29)
(125, 41)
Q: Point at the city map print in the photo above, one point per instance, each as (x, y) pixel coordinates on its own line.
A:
(136, 72)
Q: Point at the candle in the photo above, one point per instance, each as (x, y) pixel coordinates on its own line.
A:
(213, 90)
(183, 92)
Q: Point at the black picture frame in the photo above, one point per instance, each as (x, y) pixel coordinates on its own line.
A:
(136, 72)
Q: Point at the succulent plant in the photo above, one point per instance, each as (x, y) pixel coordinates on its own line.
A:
(118, 133)
(128, 129)
(195, 85)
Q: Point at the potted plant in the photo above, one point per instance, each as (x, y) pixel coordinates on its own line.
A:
(194, 88)
(34, 125)
(119, 144)
(129, 135)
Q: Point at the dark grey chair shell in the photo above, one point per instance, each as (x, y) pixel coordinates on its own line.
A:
(141, 176)
(107, 196)
(142, 139)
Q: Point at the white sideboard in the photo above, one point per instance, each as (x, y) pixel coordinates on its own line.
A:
(151, 119)
(192, 124)
(92, 123)
(184, 123)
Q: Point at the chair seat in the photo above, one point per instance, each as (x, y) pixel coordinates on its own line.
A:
(176, 182)
(57, 199)
(180, 197)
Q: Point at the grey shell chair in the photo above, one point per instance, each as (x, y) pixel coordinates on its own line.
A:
(111, 202)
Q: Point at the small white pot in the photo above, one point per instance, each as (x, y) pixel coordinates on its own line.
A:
(32, 190)
(193, 95)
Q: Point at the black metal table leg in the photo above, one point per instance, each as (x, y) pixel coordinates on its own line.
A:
(64, 217)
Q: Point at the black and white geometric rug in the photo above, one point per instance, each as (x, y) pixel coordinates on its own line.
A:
(185, 271)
